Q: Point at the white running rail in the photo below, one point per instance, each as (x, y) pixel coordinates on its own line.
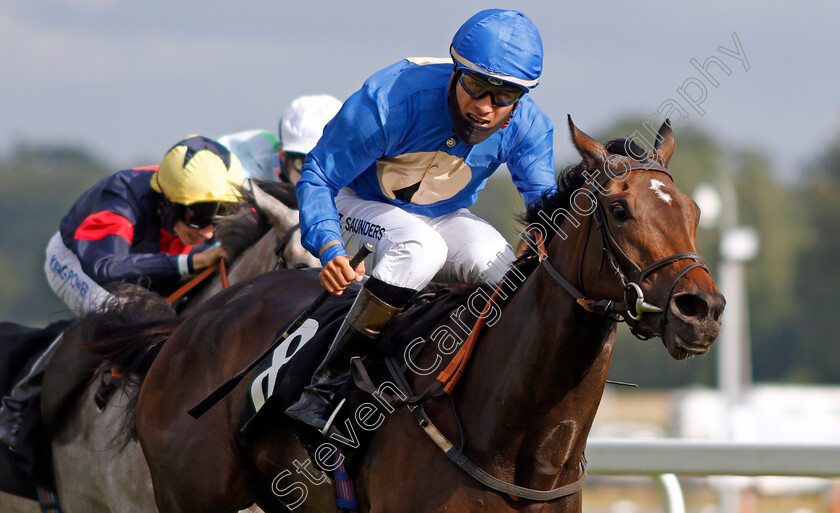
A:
(666, 458)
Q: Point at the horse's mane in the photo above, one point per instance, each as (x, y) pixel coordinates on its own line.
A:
(128, 332)
(129, 328)
(241, 230)
(570, 180)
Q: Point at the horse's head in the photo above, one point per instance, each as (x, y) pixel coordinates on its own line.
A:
(645, 257)
(285, 222)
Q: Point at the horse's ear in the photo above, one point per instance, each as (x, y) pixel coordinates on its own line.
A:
(665, 143)
(594, 154)
(282, 217)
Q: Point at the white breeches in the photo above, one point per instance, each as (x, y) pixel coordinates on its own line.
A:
(411, 250)
(69, 281)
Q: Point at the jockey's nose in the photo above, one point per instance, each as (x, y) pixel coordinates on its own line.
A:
(485, 104)
(206, 231)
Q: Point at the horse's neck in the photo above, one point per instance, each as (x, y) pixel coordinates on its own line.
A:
(536, 380)
(256, 259)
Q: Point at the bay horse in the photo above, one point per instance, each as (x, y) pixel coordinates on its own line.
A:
(96, 472)
(616, 241)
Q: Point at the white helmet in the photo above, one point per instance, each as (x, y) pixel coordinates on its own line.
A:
(303, 122)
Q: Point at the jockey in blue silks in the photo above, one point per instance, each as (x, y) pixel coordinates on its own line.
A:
(399, 165)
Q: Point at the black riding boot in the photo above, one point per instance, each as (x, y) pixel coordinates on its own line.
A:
(28, 389)
(375, 305)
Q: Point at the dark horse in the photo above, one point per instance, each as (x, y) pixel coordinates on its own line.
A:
(616, 230)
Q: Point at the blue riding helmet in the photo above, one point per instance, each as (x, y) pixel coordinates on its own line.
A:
(501, 44)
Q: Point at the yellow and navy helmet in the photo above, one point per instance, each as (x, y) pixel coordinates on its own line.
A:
(199, 170)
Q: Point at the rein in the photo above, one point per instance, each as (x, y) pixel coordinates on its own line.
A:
(175, 296)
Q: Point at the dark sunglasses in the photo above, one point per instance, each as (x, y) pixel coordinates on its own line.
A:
(199, 215)
(478, 85)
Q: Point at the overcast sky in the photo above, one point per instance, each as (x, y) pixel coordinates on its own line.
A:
(129, 79)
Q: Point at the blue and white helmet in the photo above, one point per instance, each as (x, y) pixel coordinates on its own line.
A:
(501, 44)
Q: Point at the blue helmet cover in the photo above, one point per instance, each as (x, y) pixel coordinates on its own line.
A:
(502, 44)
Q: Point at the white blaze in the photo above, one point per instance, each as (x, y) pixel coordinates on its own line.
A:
(656, 186)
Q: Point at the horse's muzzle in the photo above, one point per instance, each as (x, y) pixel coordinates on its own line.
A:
(692, 322)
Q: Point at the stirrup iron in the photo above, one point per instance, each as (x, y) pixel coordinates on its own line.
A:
(332, 417)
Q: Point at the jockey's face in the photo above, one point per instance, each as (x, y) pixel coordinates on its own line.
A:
(481, 111)
(193, 236)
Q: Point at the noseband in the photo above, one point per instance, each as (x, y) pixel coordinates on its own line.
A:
(634, 306)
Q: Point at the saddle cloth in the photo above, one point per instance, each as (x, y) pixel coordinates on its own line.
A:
(279, 380)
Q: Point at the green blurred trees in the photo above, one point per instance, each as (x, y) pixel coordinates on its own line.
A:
(37, 187)
(812, 346)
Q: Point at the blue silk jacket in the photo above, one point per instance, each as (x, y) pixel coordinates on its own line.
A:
(393, 141)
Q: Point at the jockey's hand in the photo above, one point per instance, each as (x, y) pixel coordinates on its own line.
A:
(337, 274)
(207, 258)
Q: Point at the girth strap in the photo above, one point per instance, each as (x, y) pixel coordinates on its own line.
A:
(459, 458)
(48, 500)
(455, 455)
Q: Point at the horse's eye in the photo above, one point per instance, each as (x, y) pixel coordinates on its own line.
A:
(620, 211)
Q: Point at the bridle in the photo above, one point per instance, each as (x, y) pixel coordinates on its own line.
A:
(280, 247)
(633, 307)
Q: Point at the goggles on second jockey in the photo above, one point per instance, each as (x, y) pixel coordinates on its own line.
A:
(195, 216)
(199, 215)
(501, 93)
(292, 161)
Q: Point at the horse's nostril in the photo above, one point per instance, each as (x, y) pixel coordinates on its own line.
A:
(691, 305)
(718, 305)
